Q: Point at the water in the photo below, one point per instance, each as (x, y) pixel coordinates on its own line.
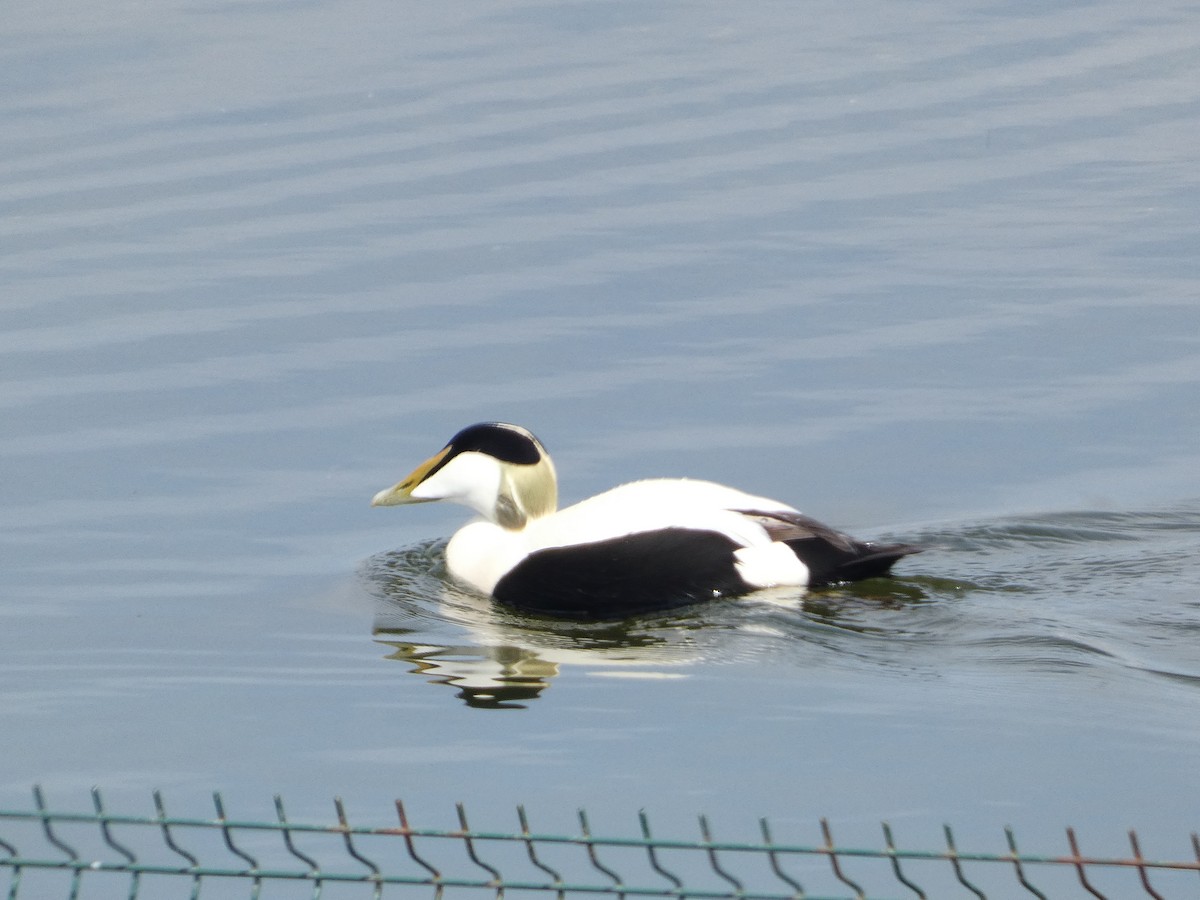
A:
(926, 272)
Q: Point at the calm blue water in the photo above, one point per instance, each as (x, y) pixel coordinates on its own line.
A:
(927, 271)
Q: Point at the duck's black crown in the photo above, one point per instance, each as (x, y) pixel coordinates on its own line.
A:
(507, 443)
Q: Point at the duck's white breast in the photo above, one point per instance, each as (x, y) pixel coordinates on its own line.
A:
(481, 552)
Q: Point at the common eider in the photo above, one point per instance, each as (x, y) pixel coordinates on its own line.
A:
(642, 546)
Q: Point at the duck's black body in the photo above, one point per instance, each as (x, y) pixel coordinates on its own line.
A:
(625, 575)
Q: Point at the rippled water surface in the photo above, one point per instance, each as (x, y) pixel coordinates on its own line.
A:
(927, 271)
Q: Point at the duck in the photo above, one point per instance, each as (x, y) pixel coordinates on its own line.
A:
(643, 546)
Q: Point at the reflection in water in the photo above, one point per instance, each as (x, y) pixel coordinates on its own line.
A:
(486, 677)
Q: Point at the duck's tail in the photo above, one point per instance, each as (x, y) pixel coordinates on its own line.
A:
(831, 555)
(831, 564)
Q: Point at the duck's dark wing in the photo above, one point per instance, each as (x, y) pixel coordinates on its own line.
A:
(623, 576)
(831, 555)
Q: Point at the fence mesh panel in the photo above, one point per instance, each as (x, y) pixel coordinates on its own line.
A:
(101, 853)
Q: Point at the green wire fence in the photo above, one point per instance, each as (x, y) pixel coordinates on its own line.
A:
(95, 853)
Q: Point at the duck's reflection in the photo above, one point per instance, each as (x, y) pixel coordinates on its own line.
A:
(498, 658)
(485, 677)
(501, 669)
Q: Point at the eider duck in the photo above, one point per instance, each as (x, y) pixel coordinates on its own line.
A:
(643, 546)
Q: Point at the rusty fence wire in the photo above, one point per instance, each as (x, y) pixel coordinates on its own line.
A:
(47, 854)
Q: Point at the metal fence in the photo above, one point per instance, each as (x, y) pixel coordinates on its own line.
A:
(96, 853)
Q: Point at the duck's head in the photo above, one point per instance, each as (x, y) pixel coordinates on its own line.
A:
(501, 471)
